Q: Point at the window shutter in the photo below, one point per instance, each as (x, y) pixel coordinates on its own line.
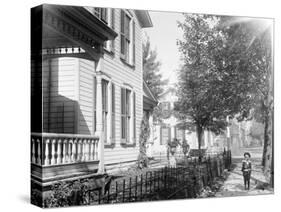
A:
(123, 114)
(134, 115)
(113, 112)
(112, 44)
(122, 35)
(134, 46)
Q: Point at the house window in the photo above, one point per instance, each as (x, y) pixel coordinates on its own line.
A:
(101, 13)
(109, 45)
(127, 115)
(127, 38)
(105, 108)
(165, 135)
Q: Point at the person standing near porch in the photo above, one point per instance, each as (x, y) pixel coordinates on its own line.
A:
(246, 170)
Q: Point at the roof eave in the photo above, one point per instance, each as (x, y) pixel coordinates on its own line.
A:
(144, 18)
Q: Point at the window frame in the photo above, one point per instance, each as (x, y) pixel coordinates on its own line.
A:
(128, 116)
(127, 39)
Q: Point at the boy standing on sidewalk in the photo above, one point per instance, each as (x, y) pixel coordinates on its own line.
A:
(246, 169)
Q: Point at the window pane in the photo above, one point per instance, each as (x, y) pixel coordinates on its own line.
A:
(127, 27)
(128, 129)
(123, 44)
(104, 15)
(122, 21)
(123, 103)
(97, 12)
(104, 96)
(128, 111)
(113, 97)
(123, 127)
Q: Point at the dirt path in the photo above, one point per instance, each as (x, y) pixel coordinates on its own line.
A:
(234, 185)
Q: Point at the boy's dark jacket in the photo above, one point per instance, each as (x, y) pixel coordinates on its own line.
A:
(246, 167)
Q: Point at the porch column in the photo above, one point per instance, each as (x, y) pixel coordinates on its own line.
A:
(99, 124)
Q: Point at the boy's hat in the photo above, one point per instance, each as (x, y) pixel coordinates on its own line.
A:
(247, 153)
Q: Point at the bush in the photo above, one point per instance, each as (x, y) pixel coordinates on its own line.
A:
(67, 194)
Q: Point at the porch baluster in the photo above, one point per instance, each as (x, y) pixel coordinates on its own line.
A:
(87, 149)
(64, 151)
(59, 152)
(92, 149)
(84, 150)
(70, 145)
(53, 152)
(47, 152)
(73, 156)
(39, 152)
(96, 150)
(79, 150)
(33, 151)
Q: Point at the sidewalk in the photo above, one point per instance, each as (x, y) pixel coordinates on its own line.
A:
(234, 185)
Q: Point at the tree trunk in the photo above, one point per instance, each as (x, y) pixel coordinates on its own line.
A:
(199, 136)
(265, 143)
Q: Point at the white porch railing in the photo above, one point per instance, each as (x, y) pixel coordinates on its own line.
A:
(49, 149)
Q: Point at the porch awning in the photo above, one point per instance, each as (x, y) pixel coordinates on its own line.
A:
(149, 100)
(70, 27)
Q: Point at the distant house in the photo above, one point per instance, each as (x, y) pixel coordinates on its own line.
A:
(88, 95)
(169, 129)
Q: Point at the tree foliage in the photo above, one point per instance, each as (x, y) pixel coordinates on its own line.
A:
(151, 69)
(203, 102)
(250, 52)
(225, 72)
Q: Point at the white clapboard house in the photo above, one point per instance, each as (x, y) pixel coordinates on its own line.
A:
(88, 93)
(168, 130)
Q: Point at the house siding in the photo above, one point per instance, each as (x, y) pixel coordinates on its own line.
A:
(73, 83)
(121, 73)
(59, 91)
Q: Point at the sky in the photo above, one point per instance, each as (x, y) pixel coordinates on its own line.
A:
(163, 36)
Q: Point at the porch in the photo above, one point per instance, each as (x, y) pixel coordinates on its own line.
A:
(63, 156)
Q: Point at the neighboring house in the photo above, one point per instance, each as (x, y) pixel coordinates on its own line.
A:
(89, 79)
(168, 129)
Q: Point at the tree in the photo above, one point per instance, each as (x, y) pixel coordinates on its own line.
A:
(201, 101)
(210, 86)
(144, 135)
(250, 49)
(151, 69)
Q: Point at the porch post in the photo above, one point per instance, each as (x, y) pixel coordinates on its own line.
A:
(99, 124)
